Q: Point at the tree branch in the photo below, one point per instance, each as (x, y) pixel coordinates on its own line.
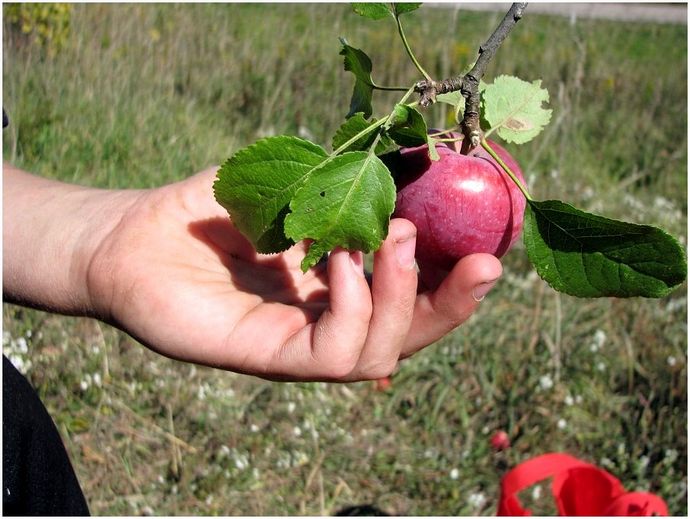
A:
(469, 83)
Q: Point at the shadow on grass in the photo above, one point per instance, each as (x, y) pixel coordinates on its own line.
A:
(361, 510)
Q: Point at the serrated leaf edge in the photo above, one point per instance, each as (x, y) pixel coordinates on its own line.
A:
(501, 125)
(235, 157)
(527, 236)
(316, 241)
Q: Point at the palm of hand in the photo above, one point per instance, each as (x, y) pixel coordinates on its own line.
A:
(187, 284)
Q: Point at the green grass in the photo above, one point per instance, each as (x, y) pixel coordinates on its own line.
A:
(141, 95)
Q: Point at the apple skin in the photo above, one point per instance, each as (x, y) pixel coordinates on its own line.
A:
(500, 441)
(461, 204)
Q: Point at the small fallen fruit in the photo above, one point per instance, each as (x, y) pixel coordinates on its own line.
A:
(500, 441)
(461, 204)
(383, 384)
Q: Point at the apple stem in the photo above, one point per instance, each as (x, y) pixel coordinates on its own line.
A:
(505, 167)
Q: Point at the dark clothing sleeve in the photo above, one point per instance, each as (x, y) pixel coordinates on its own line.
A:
(38, 478)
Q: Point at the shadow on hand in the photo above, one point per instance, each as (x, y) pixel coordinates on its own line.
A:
(266, 275)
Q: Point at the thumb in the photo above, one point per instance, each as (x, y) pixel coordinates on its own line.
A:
(452, 302)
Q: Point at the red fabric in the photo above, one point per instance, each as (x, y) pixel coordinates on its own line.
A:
(585, 490)
(578, 488)
(637, 504)
(527, 474)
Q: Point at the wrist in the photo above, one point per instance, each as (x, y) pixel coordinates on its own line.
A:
(95, 259)
(51, 234)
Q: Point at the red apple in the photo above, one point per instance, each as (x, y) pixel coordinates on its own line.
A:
(461, 204)
(384, 384)
(500, 441)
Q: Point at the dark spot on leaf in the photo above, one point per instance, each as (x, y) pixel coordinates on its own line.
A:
(322, 193)
(516, 124)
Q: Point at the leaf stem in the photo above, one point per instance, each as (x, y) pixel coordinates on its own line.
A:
(490, 131)
(505, 167)
(448, 131)
(371, 127)
(404, 98)
(359, 135)
(389, 88)
(454, 139)
(409, 50)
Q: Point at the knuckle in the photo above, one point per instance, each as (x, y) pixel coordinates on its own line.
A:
(380, 369)
(341, 368)
(453, 315)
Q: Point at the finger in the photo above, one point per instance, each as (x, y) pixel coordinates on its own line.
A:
(394, 290)
(439, 311)
(330, 348)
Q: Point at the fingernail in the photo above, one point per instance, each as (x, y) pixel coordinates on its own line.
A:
(357, 261)
(479, 292)
(404, 252)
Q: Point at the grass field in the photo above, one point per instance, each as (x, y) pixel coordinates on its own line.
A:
(140, 95)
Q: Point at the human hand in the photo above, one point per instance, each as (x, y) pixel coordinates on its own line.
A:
(177, 276)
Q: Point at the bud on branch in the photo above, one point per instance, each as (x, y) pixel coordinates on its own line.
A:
(469, 83)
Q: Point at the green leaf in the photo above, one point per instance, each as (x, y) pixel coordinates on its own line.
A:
(380, 10)
(354, 125)
(347, 202)
(587, 255)
(399, 116)
(256, 185)
(406, 7)
(452, 98)
(373, 10)
(513, 108)
(410, 129)
(357, 62)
